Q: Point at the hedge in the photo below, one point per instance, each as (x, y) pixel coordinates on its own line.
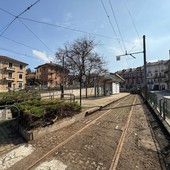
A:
(35, 113)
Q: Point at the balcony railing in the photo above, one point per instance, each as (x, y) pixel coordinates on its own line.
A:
(9, 79)
(10, 69)
(20, 80)
(51, 71)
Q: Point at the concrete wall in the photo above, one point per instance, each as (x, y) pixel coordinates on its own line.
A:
(76, 92)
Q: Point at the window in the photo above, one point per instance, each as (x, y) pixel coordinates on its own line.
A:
(9, 84)
(9, 75)
(20, 76)
(21, 67)
(10, 65)
(20, 85)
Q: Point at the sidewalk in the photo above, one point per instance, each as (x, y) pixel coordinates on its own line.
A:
(100, 101)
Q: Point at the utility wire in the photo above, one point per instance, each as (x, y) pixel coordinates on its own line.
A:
(63, 27)
(136, 44)
(14, 41)
(111, 24)
(68, 28)
(132, 19)
(117, 24)
(17, 17)
(16, 52)
(8, 25)
(35, 35)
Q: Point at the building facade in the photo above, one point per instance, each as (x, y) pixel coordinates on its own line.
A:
(12, 74)
(167, 74)
(156, 75)
(156, 80)
(133, 78)
(50, 74)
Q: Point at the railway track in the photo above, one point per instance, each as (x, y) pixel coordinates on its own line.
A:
(96, 142)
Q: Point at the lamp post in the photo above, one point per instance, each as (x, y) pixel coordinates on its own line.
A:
(62, 82)
(82, 79)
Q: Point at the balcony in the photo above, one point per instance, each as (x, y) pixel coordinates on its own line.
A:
(9, 79)
(10, 69)
(167, 79)
(51, 71)
(20, 80)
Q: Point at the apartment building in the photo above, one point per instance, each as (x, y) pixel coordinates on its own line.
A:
(133, 77)
(12, 74)
(156, 75)
(167, 74)
(50, 74)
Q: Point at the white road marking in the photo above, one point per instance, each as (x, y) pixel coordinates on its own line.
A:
(52, 165)
(12, 157)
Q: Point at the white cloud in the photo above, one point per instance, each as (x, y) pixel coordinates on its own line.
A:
(41, 55)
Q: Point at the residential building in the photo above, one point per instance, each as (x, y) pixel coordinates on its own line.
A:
(156, 75)
(133, 77)
(167, 74)
(50, 74)
(12, 74)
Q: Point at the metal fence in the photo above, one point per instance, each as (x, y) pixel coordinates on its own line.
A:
(162, 106)
(6, 113)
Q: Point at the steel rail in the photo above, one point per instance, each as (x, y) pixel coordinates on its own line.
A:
(50, 152)
(117, 154)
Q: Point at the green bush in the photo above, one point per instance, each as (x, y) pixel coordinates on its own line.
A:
(36, 113)
(13, 97)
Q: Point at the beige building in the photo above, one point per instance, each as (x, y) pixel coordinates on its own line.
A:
(50, 74)
(156, 75)
(12, 74)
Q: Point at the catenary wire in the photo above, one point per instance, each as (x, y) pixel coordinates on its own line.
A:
(35, 35)
(71, 29)
(17, 17)
(64, 27)
(8, 25)
(25, 45)
(111, 24)
(16, 52)
(117, 25)
(132, 19)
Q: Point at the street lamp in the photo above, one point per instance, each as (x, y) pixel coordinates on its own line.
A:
(82, 79)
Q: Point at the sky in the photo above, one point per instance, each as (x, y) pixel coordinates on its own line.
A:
(63, 21)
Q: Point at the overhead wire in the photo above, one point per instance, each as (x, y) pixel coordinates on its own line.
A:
(68, 28)
(117, 25)
(14, 41)
(16, 52)
(35, 35)
(17, 17)
(8, 25)
(136, 44)
(134, 25)
(111, 24)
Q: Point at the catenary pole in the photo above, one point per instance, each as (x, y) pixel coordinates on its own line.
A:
(144, 57)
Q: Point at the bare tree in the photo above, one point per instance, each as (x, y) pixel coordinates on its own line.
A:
(80, 58)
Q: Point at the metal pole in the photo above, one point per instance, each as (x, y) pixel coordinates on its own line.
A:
(144, 56)
(62, 83)
(80, 87)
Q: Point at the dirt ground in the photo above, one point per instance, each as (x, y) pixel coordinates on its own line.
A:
(140, 150)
